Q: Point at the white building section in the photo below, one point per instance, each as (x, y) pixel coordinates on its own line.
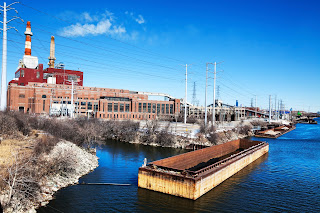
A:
(29, 61)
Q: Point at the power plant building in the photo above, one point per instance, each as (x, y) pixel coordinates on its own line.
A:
(57, 91)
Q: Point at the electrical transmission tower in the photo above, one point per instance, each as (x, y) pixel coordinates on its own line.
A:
(218, 92)
(194, 95)
(4, 9)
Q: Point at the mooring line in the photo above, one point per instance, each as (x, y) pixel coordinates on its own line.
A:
(113, 184)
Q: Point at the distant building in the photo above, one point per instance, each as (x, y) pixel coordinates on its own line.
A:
(43, 98)
(223, 112)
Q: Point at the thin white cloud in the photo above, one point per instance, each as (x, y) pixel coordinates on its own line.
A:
(87, 17)
(102, 27)
(140, 19)
(104, 23)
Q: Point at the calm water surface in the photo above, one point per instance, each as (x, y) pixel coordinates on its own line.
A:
(285, 180)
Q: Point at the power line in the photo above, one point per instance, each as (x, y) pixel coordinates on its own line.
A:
(126, 43)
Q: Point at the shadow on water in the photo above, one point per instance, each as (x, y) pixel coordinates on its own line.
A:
(215, 200)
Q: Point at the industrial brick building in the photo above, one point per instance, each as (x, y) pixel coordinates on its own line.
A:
(57, 91)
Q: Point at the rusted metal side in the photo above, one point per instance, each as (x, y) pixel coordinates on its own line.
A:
(228, 161)
(245, 143)
(190, 159)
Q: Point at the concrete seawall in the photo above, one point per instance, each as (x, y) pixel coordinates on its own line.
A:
(172, 176)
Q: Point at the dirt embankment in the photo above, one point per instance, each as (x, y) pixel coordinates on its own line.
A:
(29, 180)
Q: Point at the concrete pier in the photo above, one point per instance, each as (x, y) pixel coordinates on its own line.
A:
(192, 174)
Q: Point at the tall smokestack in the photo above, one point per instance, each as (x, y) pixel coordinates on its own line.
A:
(28, 33)
(52, 49)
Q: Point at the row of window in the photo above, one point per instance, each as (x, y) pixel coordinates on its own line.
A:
(114, 116)
(159, 108)
(117, 107)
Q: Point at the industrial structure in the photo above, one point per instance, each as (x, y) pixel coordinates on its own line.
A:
(58, 91)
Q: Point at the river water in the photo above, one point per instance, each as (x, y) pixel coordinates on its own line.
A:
(287, 179)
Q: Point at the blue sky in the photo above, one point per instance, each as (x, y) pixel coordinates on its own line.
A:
(266, 47)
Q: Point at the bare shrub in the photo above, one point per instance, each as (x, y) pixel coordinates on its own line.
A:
(129, 131)
(120, 130)
(244, 130)
(164, 137)
(44, 145)
(7, 124)
(149, 135)
(213, 138)
(65, 162)
(22, 123)
(22, 182)
(192, 120)
(203, 128)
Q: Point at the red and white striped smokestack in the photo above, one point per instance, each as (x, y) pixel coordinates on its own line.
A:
(28, 33)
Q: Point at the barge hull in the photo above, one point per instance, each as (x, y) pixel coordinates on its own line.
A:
(193, 185)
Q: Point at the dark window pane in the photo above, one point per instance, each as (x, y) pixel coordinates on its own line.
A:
(144, 107)
(149, 107)
(89, 105)
(153, 108)
(109, 107)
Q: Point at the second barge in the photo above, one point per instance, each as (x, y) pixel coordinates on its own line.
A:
(275, 132)
(192, 174)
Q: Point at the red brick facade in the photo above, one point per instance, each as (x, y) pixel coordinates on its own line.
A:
(38, 98)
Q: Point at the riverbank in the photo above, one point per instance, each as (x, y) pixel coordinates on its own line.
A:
(186, 136)
(61, 167)
(42, 176)
(35, 164)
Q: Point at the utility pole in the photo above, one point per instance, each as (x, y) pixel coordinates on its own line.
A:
(269, 109)
(281, 107)
(214, 94)
(205, 100)
(4, 9)
(71, 99)
(278, 109)
(275, 107)
(255, 114)
(185, 98)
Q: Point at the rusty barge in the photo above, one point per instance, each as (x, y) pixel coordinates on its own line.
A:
(192, 174)
(275, 132)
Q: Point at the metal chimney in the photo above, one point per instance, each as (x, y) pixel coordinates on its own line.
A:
(52, 50)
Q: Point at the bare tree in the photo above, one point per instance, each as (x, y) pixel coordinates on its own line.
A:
(164, 137)
(21, 181)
